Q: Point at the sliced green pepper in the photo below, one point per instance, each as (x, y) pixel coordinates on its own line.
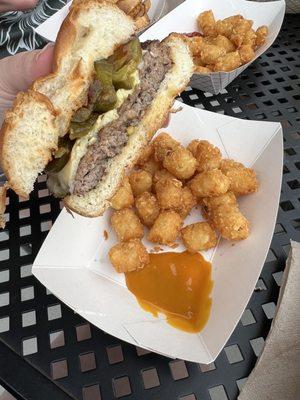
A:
(81, 129)
(61, 156)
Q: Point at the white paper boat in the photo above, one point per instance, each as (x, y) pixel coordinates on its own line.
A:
(73, 262)
(183, 20)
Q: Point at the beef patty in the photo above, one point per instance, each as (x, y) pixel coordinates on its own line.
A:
(156, 62)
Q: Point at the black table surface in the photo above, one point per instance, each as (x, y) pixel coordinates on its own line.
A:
(49, 352)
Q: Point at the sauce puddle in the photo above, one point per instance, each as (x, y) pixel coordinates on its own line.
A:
(177, 285)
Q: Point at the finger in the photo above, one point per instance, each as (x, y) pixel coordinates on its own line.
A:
(18, 72)
(16, 5)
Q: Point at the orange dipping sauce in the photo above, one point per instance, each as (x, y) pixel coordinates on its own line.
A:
(178, 285)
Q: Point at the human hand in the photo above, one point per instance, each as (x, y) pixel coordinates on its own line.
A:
(18, 72)
(16, 5)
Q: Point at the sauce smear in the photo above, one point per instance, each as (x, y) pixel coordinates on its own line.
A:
(175, 284)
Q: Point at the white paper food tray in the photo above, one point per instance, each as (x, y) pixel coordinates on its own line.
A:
(183, 20)
(73, 261)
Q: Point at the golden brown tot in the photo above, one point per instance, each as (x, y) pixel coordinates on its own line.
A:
(199, 236)
(129, 256)
(123, 198)
(127, 225)
(147, 208)
(166, 228)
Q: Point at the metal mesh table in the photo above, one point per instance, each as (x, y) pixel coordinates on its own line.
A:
(49, 352)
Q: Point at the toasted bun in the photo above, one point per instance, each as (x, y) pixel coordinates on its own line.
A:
(30, 133)
(95, 202)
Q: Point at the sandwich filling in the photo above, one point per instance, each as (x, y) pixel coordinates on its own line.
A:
(123, 89)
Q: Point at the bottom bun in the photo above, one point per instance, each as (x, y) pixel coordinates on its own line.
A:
(97, 200)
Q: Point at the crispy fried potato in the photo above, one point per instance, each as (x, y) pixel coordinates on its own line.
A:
(239, 31)
(188, 202)
(147, 152)
(163, 144)
(202, 70)
(209, 183)
(246, 53)
(151, 166)
(224, 28)
(195, 44)
(207, 155)
(180, 162)
(169, 193)
(228, 62)
(127, 225)
(211, 203)
(261, 34)
(223, 41)
(242, 180)
(206, 23)
(230, 222)
(166, 228)
(161, 175)
(147, 208)
(199, 236)
(129, 256)
(193, 145)
(250, 38)
(210, 53)
(123, 197)
(140, 181)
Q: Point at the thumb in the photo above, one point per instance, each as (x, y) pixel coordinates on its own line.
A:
(18, 72)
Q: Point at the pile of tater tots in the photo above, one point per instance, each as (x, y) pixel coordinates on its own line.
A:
(167, 182)
(226, 44)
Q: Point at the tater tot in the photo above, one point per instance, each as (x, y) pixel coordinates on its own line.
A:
(242, 180)
(160, 175)
(145, 154)
(163, 144)
(228, 62)
(250, 38)
(192, 146)
(123, 198)
(207, 155)
(210, 53)
(180, 162)
(239, 31)
(203, 70)
(206, 23)
(233, 19)
(224, 28)
(195, 44)
(129, 256)
(261, 34)
(165, 228)
(211, 203)
(151, 166)
(230, 222)
(127, 225)
(223, 41)
(169, 193)
(199, 236)
(188, 202)
(140, 181)
(209, 183)
(147, 208)
(246, 53)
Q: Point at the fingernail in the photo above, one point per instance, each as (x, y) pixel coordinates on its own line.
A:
(41, 52)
